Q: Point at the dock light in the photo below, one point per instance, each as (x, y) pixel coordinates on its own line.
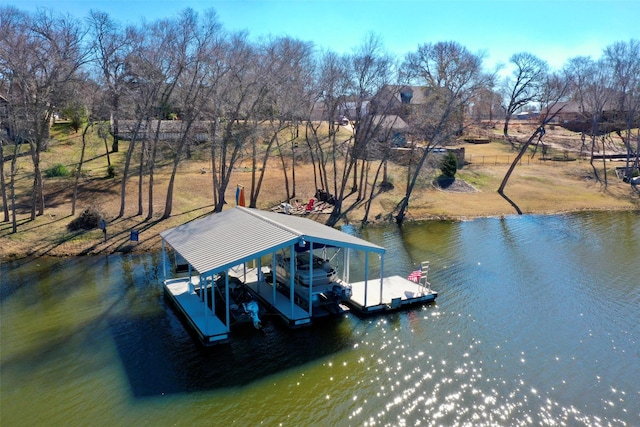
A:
(302, 243)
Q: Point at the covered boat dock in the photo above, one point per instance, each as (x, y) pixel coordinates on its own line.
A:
(236, 242)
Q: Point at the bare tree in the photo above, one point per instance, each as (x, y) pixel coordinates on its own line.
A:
(287, 70)
(238, 96)
(326, 102)
(198, 40)
(451, 75)
(591, 82)
(370, 69)
(623, 58)
(41, 55)
(524, 86)
(84, 91)
(486, 105)
(110, 46)
(555, 90)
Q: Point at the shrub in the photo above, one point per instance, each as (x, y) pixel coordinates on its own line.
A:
(87, 220)
(449, 165)
(56, 170)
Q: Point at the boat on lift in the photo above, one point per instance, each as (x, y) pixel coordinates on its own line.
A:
(327, 290)
(307, 266)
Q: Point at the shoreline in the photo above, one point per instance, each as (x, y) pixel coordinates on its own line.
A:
(120, 244)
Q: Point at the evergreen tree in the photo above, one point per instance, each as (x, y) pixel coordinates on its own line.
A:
(449, 165)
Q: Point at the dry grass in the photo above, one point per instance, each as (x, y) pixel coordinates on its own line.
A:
(536, 186)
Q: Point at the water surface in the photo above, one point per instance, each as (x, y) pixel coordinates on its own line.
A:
(537, 322)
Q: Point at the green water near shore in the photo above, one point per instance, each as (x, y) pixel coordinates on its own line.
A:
(537, 322)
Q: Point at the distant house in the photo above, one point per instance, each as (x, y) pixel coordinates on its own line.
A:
(563, 111)
(392, 129)
(170, 130)
(406, 101)
(398, 100)
(528, 115)
(571, 116)
(345, 112)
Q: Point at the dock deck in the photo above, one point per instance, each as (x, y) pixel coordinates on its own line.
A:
(203, 321)
(294, 315)
(397, 293)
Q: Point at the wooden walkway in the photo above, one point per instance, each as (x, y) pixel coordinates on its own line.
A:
(203, 321)
(397, 293)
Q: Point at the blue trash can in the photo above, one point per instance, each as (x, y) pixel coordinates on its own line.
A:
(134, 235)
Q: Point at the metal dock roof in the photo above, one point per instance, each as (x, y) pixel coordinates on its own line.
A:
(231, 237)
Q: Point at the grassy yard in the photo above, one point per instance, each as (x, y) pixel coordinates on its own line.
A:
(536, 186)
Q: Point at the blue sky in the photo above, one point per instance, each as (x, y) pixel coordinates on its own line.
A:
(552, 30)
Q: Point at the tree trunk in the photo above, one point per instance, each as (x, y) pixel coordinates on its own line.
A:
(79, 170)
(169, 202)
(293, 165)
(14, 220)
(152, 164)
(255, 192)
(125, 174)
(3, 188)
(505, 131)
(523, 150)
(114, 144)
(404, 204)
(141, 176)
(372, 194)
(604, 163)
(37, 196)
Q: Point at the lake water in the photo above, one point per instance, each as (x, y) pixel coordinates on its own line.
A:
(537, 322)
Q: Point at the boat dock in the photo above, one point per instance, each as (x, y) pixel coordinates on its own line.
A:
(397, 293)
(203, 321)
(214, 252)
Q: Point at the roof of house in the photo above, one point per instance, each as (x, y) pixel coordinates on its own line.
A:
(393, 122)
(418, 93)
(223, 240)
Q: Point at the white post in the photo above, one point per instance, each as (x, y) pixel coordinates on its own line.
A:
(204, 295)
(226, 296)
(164, 262)
(311, 278)
(292, 254)
(274, 283)
(191, 279)
(366, 276)
(381, 275)
(345, 271)
(213, 296)
(244, 272)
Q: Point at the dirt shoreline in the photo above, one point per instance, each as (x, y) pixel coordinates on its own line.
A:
(119, 239)
(537, 187)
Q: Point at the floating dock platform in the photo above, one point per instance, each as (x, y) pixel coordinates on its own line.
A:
(366, 298)
(201, 319)
(397, 293)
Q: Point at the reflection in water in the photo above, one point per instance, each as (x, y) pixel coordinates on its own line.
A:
(536, 323)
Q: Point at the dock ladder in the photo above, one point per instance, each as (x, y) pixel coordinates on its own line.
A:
(424, 273)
